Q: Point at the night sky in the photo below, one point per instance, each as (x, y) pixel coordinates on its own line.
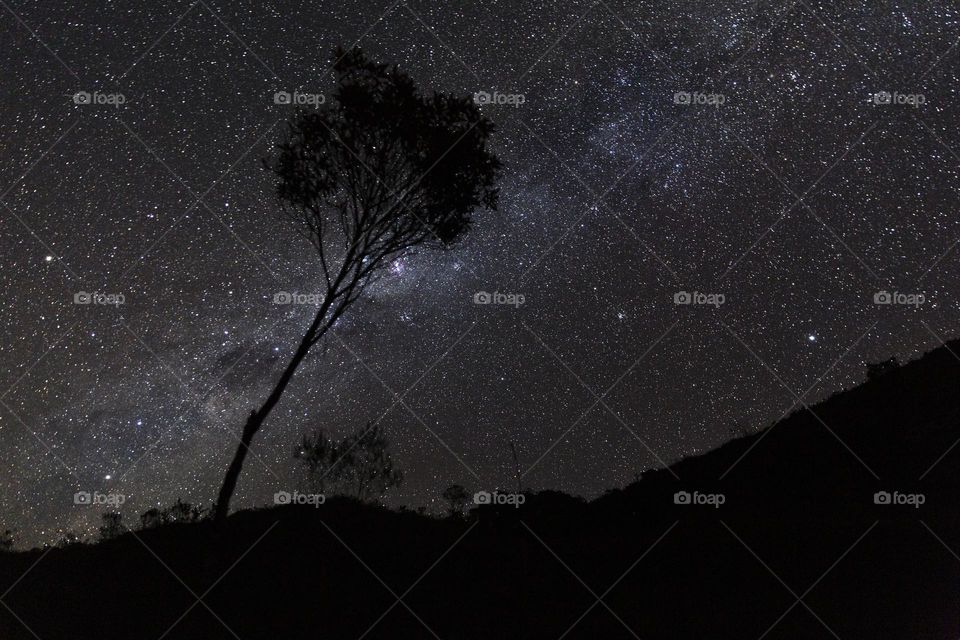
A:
(787, 186)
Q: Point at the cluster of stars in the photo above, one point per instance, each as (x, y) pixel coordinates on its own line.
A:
(798, 199)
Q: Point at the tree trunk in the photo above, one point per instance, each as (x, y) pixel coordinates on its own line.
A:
(258, 416)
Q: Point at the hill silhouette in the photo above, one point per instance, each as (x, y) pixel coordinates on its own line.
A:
(837, 521)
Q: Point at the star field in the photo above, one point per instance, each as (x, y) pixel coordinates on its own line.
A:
(785, 185)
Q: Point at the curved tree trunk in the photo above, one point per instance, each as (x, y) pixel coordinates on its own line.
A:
(259, 416)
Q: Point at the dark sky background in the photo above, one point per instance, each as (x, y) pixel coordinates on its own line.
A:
(798, 199)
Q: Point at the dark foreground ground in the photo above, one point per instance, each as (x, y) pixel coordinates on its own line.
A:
(799, 549)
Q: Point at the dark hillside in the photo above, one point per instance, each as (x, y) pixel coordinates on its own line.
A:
(797, 549)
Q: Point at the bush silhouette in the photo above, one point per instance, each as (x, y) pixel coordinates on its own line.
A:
(359, 465)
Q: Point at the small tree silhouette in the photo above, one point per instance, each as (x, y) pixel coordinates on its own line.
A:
(6, 540)
(358, 465)
(319, 455)
(457, 497)
(376, 172)
(112, 525)
(150, 519)
(179, 511)
(878, 369)
(69, 539)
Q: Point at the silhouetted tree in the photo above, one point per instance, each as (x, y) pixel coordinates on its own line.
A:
(319, 455)
(457, 498)
(878, 369)
(6, 540)
(150, 518)
(68, 539)
(112, 525)
(358, 465)
(375, 172)
(179, 511)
